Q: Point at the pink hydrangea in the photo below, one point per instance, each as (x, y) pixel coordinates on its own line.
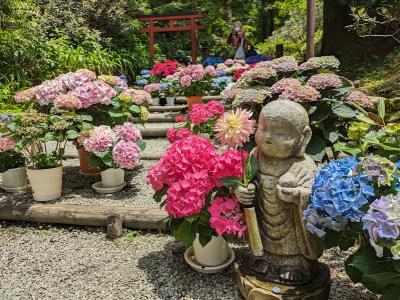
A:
(229, 163)
(199, 114)
(361, 99)
(285, 64)
(152, 87)
(186, 80)
(186, 197)
(189, 155)
(198, 74)
(230, 94)
(129, 133)
(86, 75)
(94, 92)
(229, 62)
(210, 70)
(101, 139)
(216, 108)
(104, 92)
(68, 101)
(26, 95)
(174, 135)
(180, 118)
(283, 84)
(6, 144)
(325, 81)
(72, 80)
(139, 97)
(48, 91)
(303, 93)
(126, 155)
(226, 217)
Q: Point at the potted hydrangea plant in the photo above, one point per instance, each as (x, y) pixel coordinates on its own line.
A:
(113, 150)
(154, 90)
(12, 167)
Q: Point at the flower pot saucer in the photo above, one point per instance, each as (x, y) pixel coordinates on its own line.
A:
(98, 187)
(191, 260)
(89, 174)
(14, 190)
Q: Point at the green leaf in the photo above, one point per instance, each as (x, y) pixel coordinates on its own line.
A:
(134, 108)
(86, 126)
(344, 239)
(55, 119)
(381, 109)
(316, 148)
(349, 149)
(49, 137)
(141, 144)
(323, 112)
(160, 194)
(391, 292)
(116, 103)
(378, 282)
(87, 118)
(343, 110)
(330, 131)
(251, 168)
(72, 135)
(365, 119)
(230, 181)
(115, 114)
(185, 233)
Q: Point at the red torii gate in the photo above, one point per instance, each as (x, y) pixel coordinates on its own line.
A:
(192, 27)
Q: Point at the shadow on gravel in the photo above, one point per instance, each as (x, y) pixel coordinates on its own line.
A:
(172, 278)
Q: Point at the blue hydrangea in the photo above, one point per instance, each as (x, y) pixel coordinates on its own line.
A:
(338, 195)
(142, 82)
(164, 86)
(123, 78)
(220, 83)
(145, 72)
(211, 61)
(5, 117)
(256, 59)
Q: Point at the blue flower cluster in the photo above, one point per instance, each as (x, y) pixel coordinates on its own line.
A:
(211, 61)
(143, 78)
(256, 59)
(220, 83)
(337, 197)
(5, 117)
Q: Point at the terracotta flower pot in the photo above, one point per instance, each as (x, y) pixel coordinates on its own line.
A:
(215, 253)
(46, 183)
(193, 100)
(84, 157)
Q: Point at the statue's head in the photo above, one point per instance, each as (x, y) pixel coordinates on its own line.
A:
(283, 129)
(237, 27)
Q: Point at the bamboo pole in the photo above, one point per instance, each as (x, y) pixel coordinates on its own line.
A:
(310, 28)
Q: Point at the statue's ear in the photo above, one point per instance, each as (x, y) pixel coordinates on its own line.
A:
(307, 133)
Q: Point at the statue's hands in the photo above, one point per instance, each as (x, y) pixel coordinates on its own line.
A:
(246, 195)
(290, 185)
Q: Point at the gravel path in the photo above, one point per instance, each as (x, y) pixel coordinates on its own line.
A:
(70, 263)
(78, 189)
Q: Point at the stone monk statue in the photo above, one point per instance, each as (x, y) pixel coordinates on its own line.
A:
(280, 194)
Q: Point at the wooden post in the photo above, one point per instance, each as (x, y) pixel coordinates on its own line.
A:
(193, 39)
(151, 41)
(310, 28)
(114, 226)
(279, 50)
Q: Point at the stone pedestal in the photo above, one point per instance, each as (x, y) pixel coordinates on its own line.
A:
(253, 289)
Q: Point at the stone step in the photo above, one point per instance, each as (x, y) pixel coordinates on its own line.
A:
(167, 117)
(175, 108)
(154, 130)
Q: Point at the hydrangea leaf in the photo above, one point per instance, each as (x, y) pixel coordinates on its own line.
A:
(391, 292)
(343, 110)
(185, 233)
(316, 148)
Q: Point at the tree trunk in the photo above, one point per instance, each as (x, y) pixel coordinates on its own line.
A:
(266, 19)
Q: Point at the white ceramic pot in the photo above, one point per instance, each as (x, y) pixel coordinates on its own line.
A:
(46, 183)
(170, 101)
(14, 178)
(215, 253)
(112, 178)
(156, 101)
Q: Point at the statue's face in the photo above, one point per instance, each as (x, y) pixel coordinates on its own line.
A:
(277, 138)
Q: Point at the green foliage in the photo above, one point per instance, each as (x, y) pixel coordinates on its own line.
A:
(11, 160)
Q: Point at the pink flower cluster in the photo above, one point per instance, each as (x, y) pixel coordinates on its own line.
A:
(325, 81)
(361, 99)
(126, 154)
(101, 139)
(129, 133)
(6, 144)
(226, 217)
(229, 62)
(283, 84)
(95, 92)
(210, 70)
(138, 96)
(285, 64)
(230, 94)
(25, 96)
(165, 68)
(201, 113)
(174, 135)
(190, 169)
(302, 93)
(152, 88)
(193, 73)
(180, 118)
(68, 101)
(229, 163)
(114, 81)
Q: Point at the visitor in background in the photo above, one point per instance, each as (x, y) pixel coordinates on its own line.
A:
(238, 40)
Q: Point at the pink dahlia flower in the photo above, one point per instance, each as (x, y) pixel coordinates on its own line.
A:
(361, 99)
(235, 128)
(6, 144)
(174, 135)
(129, 133)
(226, 217)
(126, 155)
(303, 93)
(283, 84)
(186, 197)
(26, 95)
(186, 80)
(101, 139)
(325, 81)
(68, 101)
